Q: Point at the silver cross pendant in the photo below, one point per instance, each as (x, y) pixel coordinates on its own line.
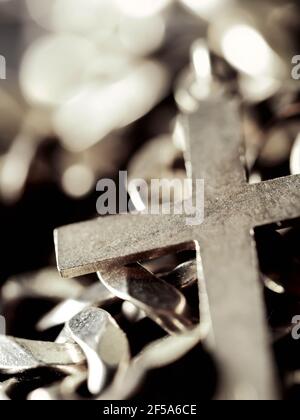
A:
(224, 242)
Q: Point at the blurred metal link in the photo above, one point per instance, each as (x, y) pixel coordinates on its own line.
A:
(293, 378)
(184, 275)
(269, 140)
(132, 313)
(22, 386)
(16, 163)
(79, 70)
(49, 393)
(11, 118)
(167, 263)
(180, 269)
(156, 355)
(264, 67)
(102, 341)
(106, 87)
(147, 164)
(241, 24)
(66, 389)
(74, 49)
(45, 283)
(77, 29)
(69, 387)
(206, 9)
(126, 382)
(19, 355)
(279, 261)
(295, 156)
(91, 245)
(279, 333)
(93, 295)
(5, 388)
(82, 17)
(161, 302)
(277, 143)
(77, 173)
(196, 82)
(118, 103)
(273, 285)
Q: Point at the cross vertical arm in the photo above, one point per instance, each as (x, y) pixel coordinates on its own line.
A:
(240, 338)
(215, 147)
(241, 341)
(239, 328)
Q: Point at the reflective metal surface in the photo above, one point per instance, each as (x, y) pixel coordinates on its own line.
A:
(96, 294)
(93, 87)
(103, 343)
(232, 209)
(158, 299)
(19, 355)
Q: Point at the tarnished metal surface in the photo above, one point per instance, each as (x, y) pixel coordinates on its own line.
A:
(5, 388)
(67, 389)
(104, 344)
(225, 241)
(156, 355)
(45, 283)
(183, 275)
(18, 355)
(96, 294)
(161, 301)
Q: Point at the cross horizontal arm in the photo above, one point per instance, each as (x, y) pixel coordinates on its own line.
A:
(275, 201)
(82, 248)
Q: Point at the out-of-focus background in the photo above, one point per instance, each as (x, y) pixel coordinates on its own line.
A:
(89, 81)
(91, 87)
